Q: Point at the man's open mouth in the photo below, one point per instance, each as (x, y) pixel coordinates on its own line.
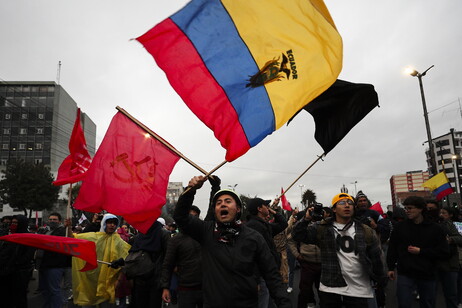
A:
(224, 212)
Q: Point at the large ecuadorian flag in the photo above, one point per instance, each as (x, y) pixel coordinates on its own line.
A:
(245, 67)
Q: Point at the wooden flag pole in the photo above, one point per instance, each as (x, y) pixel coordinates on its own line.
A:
(296, 180)
(207, 175)
(159, 138)
(68, 208)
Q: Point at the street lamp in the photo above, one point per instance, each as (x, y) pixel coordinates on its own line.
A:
(355, 182)
(301, 192)
(233, 187)
(415, 73)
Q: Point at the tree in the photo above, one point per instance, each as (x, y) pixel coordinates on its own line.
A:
(27, 186)
(308, 198)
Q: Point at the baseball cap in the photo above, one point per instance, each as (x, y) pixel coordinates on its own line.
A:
(341, 196)
(161, 220)
(255, 203)
(230, 192)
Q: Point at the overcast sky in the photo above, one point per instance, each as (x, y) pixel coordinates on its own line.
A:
(102, 68)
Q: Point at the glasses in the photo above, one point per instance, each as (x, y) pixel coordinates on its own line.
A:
(344, 202)
(409, 208)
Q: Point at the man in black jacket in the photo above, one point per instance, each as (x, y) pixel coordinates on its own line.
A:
(184, 253)
(258, 220)
(53, 266)
(415, 246)
(230, 252)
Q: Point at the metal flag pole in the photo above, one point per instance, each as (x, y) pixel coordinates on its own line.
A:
(296, 180)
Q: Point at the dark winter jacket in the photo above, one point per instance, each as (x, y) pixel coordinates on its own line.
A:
(228, 268)
(431, 240)
(268, 231)
(185, 253)
(367, 247)
(15, 257)
(53, 259)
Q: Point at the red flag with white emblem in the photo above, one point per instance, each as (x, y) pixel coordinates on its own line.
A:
(129, 175)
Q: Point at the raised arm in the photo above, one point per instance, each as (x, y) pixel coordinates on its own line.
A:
(187, 223)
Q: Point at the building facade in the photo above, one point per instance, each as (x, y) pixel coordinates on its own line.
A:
(408, 184)
(36, 121)
(448, 148)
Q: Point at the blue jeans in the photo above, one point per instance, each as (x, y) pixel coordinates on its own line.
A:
(51, 279)
(406, 285)
(449, 284)
(291, 260)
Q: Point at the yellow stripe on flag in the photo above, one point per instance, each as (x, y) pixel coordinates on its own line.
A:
(301, 30)
(436, 181)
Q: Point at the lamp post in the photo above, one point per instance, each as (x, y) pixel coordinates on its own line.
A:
(233, 187)
(455, 160)
(355, 182)
(415, 73)
(301, 193)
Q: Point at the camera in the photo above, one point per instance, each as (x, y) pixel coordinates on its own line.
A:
(317, 213)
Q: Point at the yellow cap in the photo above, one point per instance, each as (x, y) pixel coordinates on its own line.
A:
(341, 196)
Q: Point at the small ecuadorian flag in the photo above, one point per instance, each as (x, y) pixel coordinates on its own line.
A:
(246, 67)
(439, 185)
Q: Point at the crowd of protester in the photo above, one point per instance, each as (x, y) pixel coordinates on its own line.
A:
(347, 254)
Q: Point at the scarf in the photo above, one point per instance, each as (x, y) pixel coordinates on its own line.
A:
(227, 232)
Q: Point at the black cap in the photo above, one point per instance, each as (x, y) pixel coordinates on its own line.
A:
(254, 204)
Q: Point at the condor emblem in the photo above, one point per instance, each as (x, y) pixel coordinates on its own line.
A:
(274, 70)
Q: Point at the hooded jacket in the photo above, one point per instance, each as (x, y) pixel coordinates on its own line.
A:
(228, 268)
(15, 257)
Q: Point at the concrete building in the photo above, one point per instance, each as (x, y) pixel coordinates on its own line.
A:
(36, 121)
(448, 148)
(408, 184)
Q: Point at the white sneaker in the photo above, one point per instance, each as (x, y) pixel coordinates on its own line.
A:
(311, 305)
(289, 290)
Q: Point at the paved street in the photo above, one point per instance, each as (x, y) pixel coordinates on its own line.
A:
(35, 300)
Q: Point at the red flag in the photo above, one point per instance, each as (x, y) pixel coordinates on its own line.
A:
(377, 207)
(82, 249)
(74, 167)
(128, 176)
(285, 204)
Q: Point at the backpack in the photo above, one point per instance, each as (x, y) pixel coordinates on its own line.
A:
(138, 264)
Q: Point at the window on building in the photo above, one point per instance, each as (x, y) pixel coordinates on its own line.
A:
(41, 116)
(23, 103)
(22, 146)
(6, 131)
(7, 116)
(38, 161)
(5, 146)
(24, 116)
(23, 131)
(3, 162)
(39, 131)
(38, 146)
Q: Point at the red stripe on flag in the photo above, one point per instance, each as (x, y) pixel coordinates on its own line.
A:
(209, 102)
(82, 249)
